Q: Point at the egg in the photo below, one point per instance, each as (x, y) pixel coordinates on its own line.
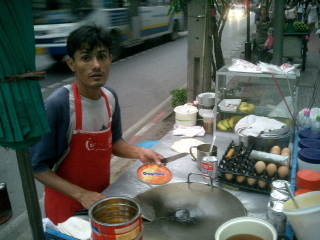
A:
(251, 181)
(271, 169)
(260, 166)
(283, 171)
(275, 150)
(240, 179)
(261, 183)
(228, 176)
(286, 154)
(286, 150)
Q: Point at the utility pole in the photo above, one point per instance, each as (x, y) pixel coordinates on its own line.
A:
(199, 48)
(278, 32)
(247, 45)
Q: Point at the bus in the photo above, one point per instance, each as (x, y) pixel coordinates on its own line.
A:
(129, 22)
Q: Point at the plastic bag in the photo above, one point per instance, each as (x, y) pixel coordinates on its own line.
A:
(270, 68)
(269, 42)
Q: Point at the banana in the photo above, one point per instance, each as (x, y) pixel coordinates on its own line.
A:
(221, 127)
(246, 108)
(225, 123)
(233, 121)
(287, 121)
(243, 104)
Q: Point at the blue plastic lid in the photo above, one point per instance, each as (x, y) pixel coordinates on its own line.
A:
(309, 134)
(309, 155)
(309, 143)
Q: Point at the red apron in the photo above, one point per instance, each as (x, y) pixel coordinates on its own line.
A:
(87, 165)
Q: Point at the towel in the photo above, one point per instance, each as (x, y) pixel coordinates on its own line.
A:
(252, 125)
(188, 131)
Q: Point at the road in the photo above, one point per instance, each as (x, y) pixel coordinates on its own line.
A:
(143, 79)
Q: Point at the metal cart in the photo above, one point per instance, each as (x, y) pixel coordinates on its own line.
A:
(295, 46)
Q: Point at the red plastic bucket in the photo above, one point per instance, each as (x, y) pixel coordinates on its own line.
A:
(116, 218)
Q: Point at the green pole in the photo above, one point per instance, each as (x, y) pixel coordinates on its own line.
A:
(278, 32)
(30, 194)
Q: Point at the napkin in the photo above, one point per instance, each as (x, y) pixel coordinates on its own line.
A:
(188, 131)
(252, 125)
(76, 227)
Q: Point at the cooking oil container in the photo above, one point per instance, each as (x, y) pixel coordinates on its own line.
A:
(116, 218)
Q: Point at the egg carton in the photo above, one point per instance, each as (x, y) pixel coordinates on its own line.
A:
(236, 169)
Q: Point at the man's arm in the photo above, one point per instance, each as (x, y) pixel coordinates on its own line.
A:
(52, 180)
(126, 150)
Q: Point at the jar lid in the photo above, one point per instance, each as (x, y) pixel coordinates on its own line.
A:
(309, 134)
(309, 155)
(306, 112)
(308, 179)
(309, 143)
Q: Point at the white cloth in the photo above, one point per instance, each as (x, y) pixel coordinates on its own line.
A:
(252, 125)
(188, 131)
(47, 223)
(76, 227)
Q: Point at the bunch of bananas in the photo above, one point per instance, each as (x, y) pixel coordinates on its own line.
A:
(228, 123)
(246, 107)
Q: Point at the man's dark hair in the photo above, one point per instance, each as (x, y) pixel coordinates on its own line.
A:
(91, 35)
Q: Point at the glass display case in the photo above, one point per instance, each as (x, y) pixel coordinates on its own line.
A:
(268, 95)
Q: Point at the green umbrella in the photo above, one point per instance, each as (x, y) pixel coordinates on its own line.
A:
(22, 114)
(23, 119)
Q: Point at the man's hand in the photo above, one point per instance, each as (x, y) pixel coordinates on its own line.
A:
(87, 198)
(148, 156)
(52, 180)
(126, 150)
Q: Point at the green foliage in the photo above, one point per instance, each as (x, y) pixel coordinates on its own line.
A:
(179, 97)
(177, 5)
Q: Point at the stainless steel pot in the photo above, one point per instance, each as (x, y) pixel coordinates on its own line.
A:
(188, 211)
(267, 141)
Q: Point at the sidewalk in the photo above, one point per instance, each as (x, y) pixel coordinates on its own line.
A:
(163, 123)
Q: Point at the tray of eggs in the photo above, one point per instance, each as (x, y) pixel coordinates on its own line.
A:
(236, 168)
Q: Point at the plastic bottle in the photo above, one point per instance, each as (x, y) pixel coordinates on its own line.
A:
(317, 124)
(304, 121)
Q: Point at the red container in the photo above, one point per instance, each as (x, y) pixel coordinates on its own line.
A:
(116, 218)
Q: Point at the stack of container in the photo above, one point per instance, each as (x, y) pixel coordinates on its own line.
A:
(309, 150)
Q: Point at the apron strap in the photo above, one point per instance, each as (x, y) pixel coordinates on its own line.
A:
(78, 107)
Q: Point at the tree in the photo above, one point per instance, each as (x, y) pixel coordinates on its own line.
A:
(219, 15)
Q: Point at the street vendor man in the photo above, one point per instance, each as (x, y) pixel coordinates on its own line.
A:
(73, 160)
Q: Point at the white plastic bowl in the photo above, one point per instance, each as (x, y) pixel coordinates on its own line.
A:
(246, 225)
(305, 220)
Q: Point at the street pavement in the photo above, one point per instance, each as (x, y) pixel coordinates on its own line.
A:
(164, 121)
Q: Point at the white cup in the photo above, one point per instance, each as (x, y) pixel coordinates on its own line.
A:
(246, 225)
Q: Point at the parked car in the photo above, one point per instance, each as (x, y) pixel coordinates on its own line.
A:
(237, 10)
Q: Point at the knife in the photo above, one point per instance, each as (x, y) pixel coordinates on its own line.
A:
(174, 157)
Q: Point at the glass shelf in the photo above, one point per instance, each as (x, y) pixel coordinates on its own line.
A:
(270, 94)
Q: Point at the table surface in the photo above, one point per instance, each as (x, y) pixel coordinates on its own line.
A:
(129, 185)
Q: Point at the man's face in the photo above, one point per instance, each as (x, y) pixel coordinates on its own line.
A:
(91, 68)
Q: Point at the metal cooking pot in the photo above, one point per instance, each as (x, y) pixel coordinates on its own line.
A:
(188, 210)
(268, 140)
